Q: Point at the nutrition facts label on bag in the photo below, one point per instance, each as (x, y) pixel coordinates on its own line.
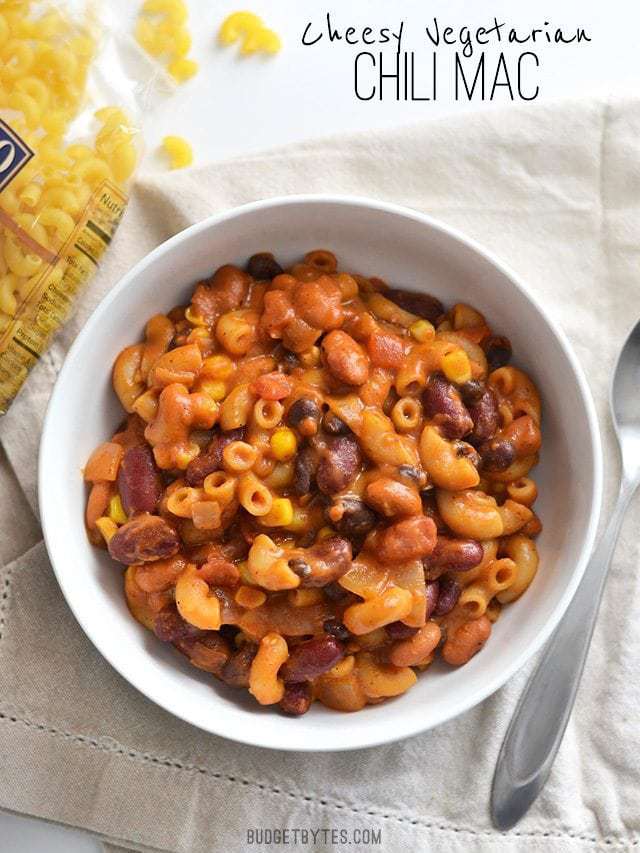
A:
(46, 307)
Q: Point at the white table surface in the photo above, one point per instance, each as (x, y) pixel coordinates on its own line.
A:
(234, 106)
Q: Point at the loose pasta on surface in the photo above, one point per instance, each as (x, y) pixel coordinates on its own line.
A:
(322, 484)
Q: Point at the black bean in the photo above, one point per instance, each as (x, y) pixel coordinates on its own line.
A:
(498, 350)
(263, 266)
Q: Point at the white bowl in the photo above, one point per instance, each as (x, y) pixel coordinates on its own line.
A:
(409, 250)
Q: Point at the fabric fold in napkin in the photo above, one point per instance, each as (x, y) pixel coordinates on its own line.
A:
(554, 190)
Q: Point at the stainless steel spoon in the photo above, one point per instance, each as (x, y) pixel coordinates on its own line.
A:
(535, 732)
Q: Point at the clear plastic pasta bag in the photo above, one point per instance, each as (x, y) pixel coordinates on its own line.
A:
(69, 145)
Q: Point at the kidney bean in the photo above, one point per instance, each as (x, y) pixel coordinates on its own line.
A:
(453, 555)
(409, 539)
(399, 631)
(139, 481)
(345, 358)
(466, 641)
(356, 519)
(169, 626)
(432, 591)
(304, 415)
(336, 629)
(497, 454)
(334, 425)
(448, 596)
(443, 405)
(328, 560)
(310, 659)
(304, 470)
(390, 497)
(211, 460)
(497, 349)
(485, 416)
(339, 463)
(144, 538)
(236, 670)
(422, 304)
(297, 699)
(263, 266)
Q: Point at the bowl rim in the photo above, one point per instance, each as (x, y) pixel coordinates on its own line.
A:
(252, 735)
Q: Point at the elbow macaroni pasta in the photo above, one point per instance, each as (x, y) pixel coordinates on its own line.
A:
(330, 479)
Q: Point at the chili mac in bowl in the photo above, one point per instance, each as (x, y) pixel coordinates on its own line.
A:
(316, 481)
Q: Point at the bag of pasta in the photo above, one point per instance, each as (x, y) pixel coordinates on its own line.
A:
(68, 149)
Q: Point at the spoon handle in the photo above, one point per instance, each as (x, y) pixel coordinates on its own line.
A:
(539, 722)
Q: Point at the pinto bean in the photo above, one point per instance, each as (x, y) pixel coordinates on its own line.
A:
(524, 433)
(339, 463)
(211, 460)
(485, 416)
(230, 285)
(139, 482)
(169, 626)
(345, 358)
(328, 560)
(308, 660)
(497, 349)
(319, 303)
(453, 555)
(409, 539)
(414, 650)
(448, 595)
(272, 386)
(443, 405)
(356, 519)
(421, 304)
(142, 539)
(297, 699)
(263, 266)
(390, 497)
(304, 470)
(236, 670)
(464, 643)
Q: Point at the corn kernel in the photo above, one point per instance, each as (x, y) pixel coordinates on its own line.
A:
(422, 331)
(456, 366)
(116, 510)
(300, 520)
(249, 597)
(183, 69)
(283, 444)
(179, 151)
(107, 527)
(214, 389)
(280, 514)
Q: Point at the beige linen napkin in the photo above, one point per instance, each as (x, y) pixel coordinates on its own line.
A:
(555, 191)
